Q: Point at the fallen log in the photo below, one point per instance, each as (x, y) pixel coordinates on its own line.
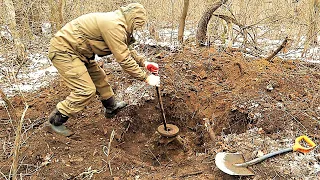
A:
(283, 45)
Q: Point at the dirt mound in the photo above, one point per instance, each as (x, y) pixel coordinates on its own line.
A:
(250, 104)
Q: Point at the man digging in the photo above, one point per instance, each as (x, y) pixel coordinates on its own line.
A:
(72, 51)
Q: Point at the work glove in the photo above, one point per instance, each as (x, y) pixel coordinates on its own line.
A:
(153, 80)
(152, 67)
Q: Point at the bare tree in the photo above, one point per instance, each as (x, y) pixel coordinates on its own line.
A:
(203, 23)
(312, 38)
(183, 20)
(11, 20)
(57, 14)
(313, 22)
(61, 6)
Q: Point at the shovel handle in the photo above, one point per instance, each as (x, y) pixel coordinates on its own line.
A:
(262, 158)
(298, 147)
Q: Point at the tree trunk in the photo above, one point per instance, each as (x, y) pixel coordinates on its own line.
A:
(228, 29)
(22, 18)
(56, 14)
(314, 18)
(52, 17)
(203, 23)
(313, 25)
(60, 20)
(230, 35)
(11, 20)
(313, 22)
(183, 20)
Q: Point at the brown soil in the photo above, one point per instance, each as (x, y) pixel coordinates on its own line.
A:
(278, 99)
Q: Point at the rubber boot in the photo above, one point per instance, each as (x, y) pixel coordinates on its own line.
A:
(111, 107)
(56, 120)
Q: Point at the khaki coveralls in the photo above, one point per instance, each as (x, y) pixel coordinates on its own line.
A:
(73, 48)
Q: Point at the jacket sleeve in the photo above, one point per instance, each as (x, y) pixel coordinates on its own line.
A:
(116, 41)
(139, 59)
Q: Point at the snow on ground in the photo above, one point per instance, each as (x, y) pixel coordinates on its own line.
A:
(39, 72)
(36, 73)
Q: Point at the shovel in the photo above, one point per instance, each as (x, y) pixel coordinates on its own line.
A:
(234, 164)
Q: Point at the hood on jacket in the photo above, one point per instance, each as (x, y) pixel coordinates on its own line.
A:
(135, 15)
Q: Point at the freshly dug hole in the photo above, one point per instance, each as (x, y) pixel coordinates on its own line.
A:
(235, 122)
(142, 132)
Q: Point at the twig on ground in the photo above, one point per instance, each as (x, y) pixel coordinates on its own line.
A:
(89, 173)
(108, 151)
(191, 174)
(209, 129)
(20, 66)
(17, 145)
(154, 156)
(293, 117)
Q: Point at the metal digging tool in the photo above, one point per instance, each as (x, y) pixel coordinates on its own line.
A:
(233, 163)
(166, 130)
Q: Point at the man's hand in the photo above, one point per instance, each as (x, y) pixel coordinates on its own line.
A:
(153, 80)
(152, 67)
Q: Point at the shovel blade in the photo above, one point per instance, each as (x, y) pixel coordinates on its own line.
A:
(226, 163)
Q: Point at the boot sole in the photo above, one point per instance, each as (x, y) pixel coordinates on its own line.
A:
(57, 130)
(115, 112)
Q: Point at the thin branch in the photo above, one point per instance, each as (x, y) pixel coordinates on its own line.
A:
(108, 151)
(17, 145)
(229, 19)
(10, 106)
(154, 156)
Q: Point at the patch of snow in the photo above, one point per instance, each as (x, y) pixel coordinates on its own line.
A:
(151, 42)
(5, 33)
(167, 37)
(38, 72)
(46, 28)
(136, 93)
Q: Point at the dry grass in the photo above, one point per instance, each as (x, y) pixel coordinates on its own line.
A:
(274, 18)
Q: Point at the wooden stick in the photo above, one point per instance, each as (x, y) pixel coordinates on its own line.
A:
(209, 129)
(191, 174)
(154, 156)
(283, 45)
(108, 154)
(17, 145)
